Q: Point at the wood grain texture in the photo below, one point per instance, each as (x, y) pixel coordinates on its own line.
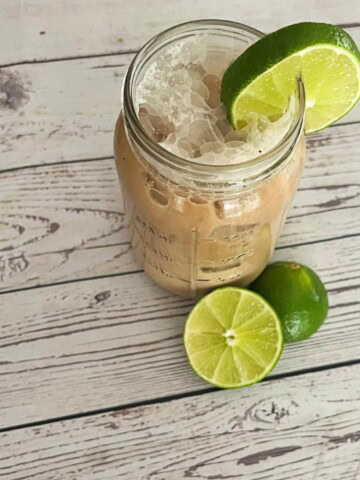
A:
(32, 30)
(60, 111)
(65, 222)
(65, 111)
(306, 427)
(110, 341)
(93, 344)
(58, 217)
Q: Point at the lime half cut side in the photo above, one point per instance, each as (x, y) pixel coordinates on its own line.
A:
(263, 78)
(233, 338)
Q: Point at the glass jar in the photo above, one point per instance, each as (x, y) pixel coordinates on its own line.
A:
(194, 227)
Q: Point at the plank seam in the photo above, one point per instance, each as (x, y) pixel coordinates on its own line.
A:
(63, 162)
(113, 54)
(66, 59)
(171, 398)
(132, 272)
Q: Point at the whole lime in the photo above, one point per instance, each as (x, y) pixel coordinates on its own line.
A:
(297, 295)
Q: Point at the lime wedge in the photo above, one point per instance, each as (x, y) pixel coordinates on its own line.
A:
(233, 338)
(264, 76)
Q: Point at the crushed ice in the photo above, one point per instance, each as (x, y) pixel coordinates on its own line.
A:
(178, 103)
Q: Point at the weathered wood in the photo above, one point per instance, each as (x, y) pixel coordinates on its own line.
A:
(111, 341)
(32, 30)
(93, 344)
(65, 222)
(306, 427)
(60, 111)
(61, 217)
(64, 111)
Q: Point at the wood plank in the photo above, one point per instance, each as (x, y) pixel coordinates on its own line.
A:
(304, 427)
(61, 111)
(112, 341)
(65, 222)
(32, 31)
(65, 111)
(58, 216)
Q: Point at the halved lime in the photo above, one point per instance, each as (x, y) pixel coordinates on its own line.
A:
(233, 338)
(264, 76)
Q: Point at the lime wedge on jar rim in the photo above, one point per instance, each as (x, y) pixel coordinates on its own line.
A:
(233, 338)
(264, 76)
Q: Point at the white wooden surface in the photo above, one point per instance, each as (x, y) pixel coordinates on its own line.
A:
(81, 327)
(98, 27)
(93, 344)
(306, 427)
(40, 245)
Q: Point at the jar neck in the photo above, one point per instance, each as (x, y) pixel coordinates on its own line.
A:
(188, 173)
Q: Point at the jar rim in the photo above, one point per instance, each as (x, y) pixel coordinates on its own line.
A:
(200, 170)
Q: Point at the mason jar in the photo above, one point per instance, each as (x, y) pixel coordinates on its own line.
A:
(194, 227)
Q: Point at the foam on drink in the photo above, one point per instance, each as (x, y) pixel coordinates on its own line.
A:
(178, 103)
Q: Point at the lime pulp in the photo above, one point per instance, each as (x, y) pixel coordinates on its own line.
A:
(233, 338)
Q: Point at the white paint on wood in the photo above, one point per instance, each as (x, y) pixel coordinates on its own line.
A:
(93, 344)
(93, 27)
(110, 341)
(64, 222)
(60, 217)
(64, 111)
(305, 427)
(67, 111)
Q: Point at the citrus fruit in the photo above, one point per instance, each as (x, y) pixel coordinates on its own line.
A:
(263, 77)
(297, 295)
(233, 338)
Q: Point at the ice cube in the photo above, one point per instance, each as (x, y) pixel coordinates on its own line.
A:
(188, 149)
(156, 126)
(178, 78)
(196, 71)
(224, 126)
(214, 64)
(236, 135)
(235, 144)
(178, 104)
(213, 84)
(199, 103)
(199, 87)
(215, 147)
(192, 52)
(200, 132)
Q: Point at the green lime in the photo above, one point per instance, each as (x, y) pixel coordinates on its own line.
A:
(263, 78)
(298, 296)
(233, 338)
